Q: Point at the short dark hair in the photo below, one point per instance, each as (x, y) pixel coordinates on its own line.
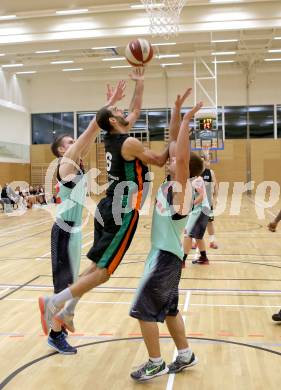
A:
(195, 165)
(57, 143)
(102, 119)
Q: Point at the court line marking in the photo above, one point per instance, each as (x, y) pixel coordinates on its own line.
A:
(48, 253)
(91, 302)
(12, 375)
(3, 291)
(133, 289)
(12, 230)
(19, 287)
(24, 238)
(171, 378)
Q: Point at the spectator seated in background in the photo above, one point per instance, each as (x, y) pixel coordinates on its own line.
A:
(6, 196)
(40, 194)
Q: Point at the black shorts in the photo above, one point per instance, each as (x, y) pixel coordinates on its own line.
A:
(158, 293)
(112, 237)
(62, 266)
(196, 225)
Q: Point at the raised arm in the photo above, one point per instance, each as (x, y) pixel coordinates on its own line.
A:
(176, 115)
(81, 147)
(136, 102)
(183, 157)
(133, 148)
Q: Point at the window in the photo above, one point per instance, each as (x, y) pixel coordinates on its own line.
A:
(278, 121)
(261, 121)
(46, 127)
(83, 120)
(235, 118)
(157, 123)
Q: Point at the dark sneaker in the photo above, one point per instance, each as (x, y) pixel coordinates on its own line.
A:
(61, 345)
(149, 370)
(64, 331)
(179, 364)
(201, 260)
(277, 316)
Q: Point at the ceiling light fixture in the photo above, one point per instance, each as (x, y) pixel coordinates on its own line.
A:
(167, 56)
(47, 51)
(223, 40)
(72, 69)
(120, 66)
(171, 64)
(223, 62)
(141, 6)
(223, 53)
(164, 44)
(7, 17)
(272, 59)
(104, 47)
(12, 65)
(27, 72)
(72, 11)
(113, 59)
(62, 62)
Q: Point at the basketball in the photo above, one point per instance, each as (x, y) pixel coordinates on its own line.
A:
(139, 52)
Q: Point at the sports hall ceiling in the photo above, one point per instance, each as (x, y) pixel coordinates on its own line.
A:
(249, 29)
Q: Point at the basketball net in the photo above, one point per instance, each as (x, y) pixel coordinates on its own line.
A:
(206, 151)
(164, 16)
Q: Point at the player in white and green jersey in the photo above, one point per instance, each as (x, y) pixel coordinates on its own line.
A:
(156, 299)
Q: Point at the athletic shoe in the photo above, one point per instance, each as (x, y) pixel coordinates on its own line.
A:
(148, 371)
(180, 364)
(201, 260)
(277, 316)
(272, 226)
(47, 310)
(213, 245)
(64, 331)
(61, 345)
(66, 320)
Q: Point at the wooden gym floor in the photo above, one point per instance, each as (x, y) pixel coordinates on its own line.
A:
(227, 308)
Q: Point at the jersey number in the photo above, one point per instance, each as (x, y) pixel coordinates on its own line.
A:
(108, 157)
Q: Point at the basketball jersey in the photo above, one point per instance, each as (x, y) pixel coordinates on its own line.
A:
(166, 231)
(198, 183)
(71, 197)
(207, 177)
(119, 170)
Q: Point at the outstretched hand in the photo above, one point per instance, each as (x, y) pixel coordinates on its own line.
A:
(137, 74)
(181, 98)
(190, 114)
(115, 94)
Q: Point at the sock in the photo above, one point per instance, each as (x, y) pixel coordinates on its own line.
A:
(156, 361)
(185, 354)
(69, 307)
(54, 334)
(203, 254)
(212, 238)
(184, 257)
(62, 297)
